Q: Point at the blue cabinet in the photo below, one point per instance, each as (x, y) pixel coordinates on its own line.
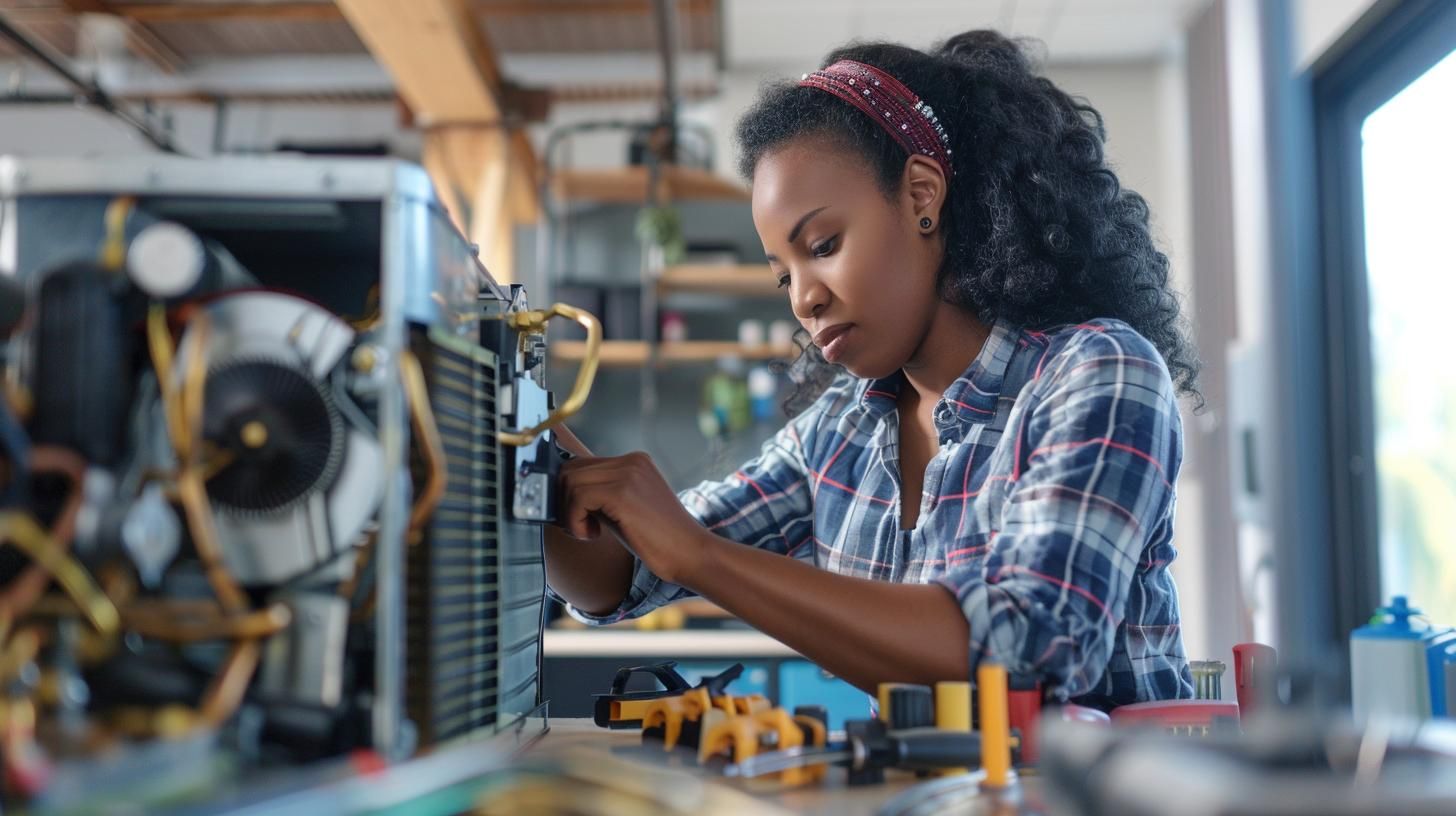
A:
(803, 683)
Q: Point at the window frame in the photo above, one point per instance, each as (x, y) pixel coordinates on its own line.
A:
(1392, 46)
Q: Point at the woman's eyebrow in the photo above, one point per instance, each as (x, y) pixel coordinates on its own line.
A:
(803, 220)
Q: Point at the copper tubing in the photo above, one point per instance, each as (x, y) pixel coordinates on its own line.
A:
(113, 248)
(19, 399)
(535, 321)
(191, 485)
(183, 412)
(361, 560)
(156, 620)
(159, 343)
(166, 722)
(372, 316)
(226, 692)
(193, 495)
(173, 608)
(365, 610)
(194, 381)
(22, 530)
(26, 589)
(21, 650)
(422, 417)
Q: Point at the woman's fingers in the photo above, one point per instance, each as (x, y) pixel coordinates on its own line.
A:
(606, 469)
(580, 506)
(572, 514)
(628, 495)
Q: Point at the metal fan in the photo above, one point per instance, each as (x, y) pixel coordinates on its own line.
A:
(296, 483)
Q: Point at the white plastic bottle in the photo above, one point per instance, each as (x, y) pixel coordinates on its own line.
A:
(1389, 678)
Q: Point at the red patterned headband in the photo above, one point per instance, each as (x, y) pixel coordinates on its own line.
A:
(886, 100)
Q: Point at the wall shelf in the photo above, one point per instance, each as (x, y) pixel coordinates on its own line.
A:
(732, 279)
(636, 353)
(629, 185)
(680, 643)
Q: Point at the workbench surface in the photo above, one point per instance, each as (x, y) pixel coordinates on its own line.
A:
(582, 738)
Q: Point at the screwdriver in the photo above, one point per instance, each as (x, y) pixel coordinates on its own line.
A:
(874, 746)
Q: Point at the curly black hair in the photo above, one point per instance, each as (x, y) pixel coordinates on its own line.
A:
(1038, 229)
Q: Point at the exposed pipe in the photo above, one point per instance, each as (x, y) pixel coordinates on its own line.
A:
(87, 90)
(665, 14)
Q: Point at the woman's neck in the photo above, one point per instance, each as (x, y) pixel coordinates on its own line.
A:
(950, 344)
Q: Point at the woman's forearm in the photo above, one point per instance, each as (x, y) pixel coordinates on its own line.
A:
(595, 574)
(866, 632)
(592, 575)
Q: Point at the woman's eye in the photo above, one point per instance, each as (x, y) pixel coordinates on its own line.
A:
(825, 247)
(784, 281)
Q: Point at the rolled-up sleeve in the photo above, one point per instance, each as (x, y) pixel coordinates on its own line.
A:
(1098, 450)
(765, 504)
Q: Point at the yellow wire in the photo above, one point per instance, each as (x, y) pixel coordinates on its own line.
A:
(431, 447)
(22, 530)
(159, 342)
(113, 248)
(193, 383)
(183, 411)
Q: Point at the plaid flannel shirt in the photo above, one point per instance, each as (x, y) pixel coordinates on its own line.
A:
(1047, 510)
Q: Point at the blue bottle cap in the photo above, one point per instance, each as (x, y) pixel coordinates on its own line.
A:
(1394, 622)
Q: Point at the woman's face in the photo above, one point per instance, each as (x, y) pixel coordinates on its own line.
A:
(859, 270)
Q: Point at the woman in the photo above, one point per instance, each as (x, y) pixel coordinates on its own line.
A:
(992, 474)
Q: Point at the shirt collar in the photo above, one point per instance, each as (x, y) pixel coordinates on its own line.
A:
(973, 395)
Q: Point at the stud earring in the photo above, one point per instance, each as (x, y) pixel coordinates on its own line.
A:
(925, 223)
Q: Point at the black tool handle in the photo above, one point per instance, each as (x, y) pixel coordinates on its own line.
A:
(665, 672)
(918, 749)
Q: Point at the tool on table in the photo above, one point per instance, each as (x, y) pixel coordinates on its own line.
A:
(620, 708)
(741, 737)
(918, 729)
(688, 718)
(1207, 678)
(953, 713)
(870, 748)
(995, 724)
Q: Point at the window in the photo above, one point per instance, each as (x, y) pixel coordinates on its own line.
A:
(1387, 174)
(1409, 175)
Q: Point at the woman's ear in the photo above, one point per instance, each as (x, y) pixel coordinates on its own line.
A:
(925, 187)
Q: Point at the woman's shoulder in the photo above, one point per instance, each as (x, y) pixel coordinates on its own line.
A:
(1101, 350)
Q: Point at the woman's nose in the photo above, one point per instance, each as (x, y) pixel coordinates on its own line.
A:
(807, 297)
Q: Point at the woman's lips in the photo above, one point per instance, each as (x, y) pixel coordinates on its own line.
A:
(832, 341)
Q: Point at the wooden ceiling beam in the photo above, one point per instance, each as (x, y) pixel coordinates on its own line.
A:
(441, 63)
(445, 71)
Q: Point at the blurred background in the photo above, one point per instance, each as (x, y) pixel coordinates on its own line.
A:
(1296, 157)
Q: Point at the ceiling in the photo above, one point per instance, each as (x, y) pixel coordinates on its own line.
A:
(778, 32)
(605, 49)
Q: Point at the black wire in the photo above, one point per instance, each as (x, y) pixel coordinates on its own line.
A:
(90, 91)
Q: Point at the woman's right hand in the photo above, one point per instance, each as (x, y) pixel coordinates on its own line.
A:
(593, 575)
